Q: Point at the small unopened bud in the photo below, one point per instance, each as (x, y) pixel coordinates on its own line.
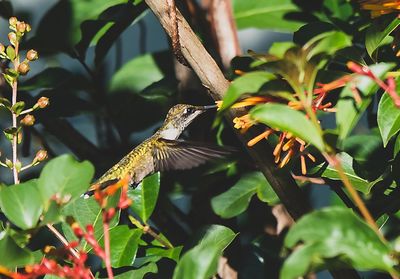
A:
(21, 26)
(32, 55)
(13, 21)
(2, 48)
(41, 155)
(9, 163)
(18, 165)
(23, 68)
(28, 120)
(12, 37)
(28, 27)
(42, 102)
(19, 137)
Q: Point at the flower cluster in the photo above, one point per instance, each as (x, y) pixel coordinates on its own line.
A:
(289, 146)
(380, 7)
(17, 108)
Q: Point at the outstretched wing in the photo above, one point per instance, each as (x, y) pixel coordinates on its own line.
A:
(181, 155)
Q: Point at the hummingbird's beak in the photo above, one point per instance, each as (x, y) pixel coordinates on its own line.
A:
(209, 107)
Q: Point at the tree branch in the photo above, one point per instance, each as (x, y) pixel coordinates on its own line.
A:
(212, 78)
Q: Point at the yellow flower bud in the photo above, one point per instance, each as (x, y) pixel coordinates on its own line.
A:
(21, 26)
(32, 55)
(43, 102)
(28, 120)
(23, 68)
(13, 21)
(41, 155)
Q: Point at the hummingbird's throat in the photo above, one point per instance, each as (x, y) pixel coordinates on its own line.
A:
(170, 133)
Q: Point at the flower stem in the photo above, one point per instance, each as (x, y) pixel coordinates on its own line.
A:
(106, 227)
(335, 162)
(14, 117)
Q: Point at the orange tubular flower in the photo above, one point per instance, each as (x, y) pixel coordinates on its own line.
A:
(380, 7)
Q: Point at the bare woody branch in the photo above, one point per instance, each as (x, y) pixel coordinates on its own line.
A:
(212, 78)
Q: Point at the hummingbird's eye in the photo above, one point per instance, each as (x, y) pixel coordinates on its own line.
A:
(189, 110)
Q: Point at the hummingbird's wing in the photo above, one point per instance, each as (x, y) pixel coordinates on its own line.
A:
(180, 155)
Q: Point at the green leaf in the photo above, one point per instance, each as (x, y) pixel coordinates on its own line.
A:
(348, 111)
(172, 253)
(248, 83)
(201, 261)
(10, 51)
(137, 74)
(18, 107)
(65, 176)
(145, 196)
(67, 16)
(22, 204)
(279, 49)
(267, 14)
(286, 119)
(15, 256)
(237, 198)
(338, 235)
(124, 245)
(388, 118)
(138, 273)
(5, 103)
(360, 184)
(85, 212)
(48, 78)
(396, 146)
(328, 43)
(377, 33)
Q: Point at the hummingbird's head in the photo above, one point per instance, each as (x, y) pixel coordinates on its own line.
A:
(178, 118)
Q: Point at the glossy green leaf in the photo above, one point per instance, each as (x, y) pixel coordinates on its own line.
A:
(65, 176)
(360, 184)
(68, 17)
(145, 196)
(329, 42)
(13, 256)
(48, 78)
(85, 212)
(138, 273)
(268, 14)
(286, 119)
(396, 146)
(137, 74)
(124, 245)
(279, 49)
(248, 83)
(340, 236)
(22, 204)
(201, 261)
(348, 111)
(172, 253)
(236, 200)
(388, 118)
(377, 33)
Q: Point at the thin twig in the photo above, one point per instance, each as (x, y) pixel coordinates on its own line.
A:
(149, 230)
(106, 228)
(62, 239)
(335, 162)
(14, 117)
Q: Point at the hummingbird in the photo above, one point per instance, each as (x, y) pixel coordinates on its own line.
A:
(163, 151)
